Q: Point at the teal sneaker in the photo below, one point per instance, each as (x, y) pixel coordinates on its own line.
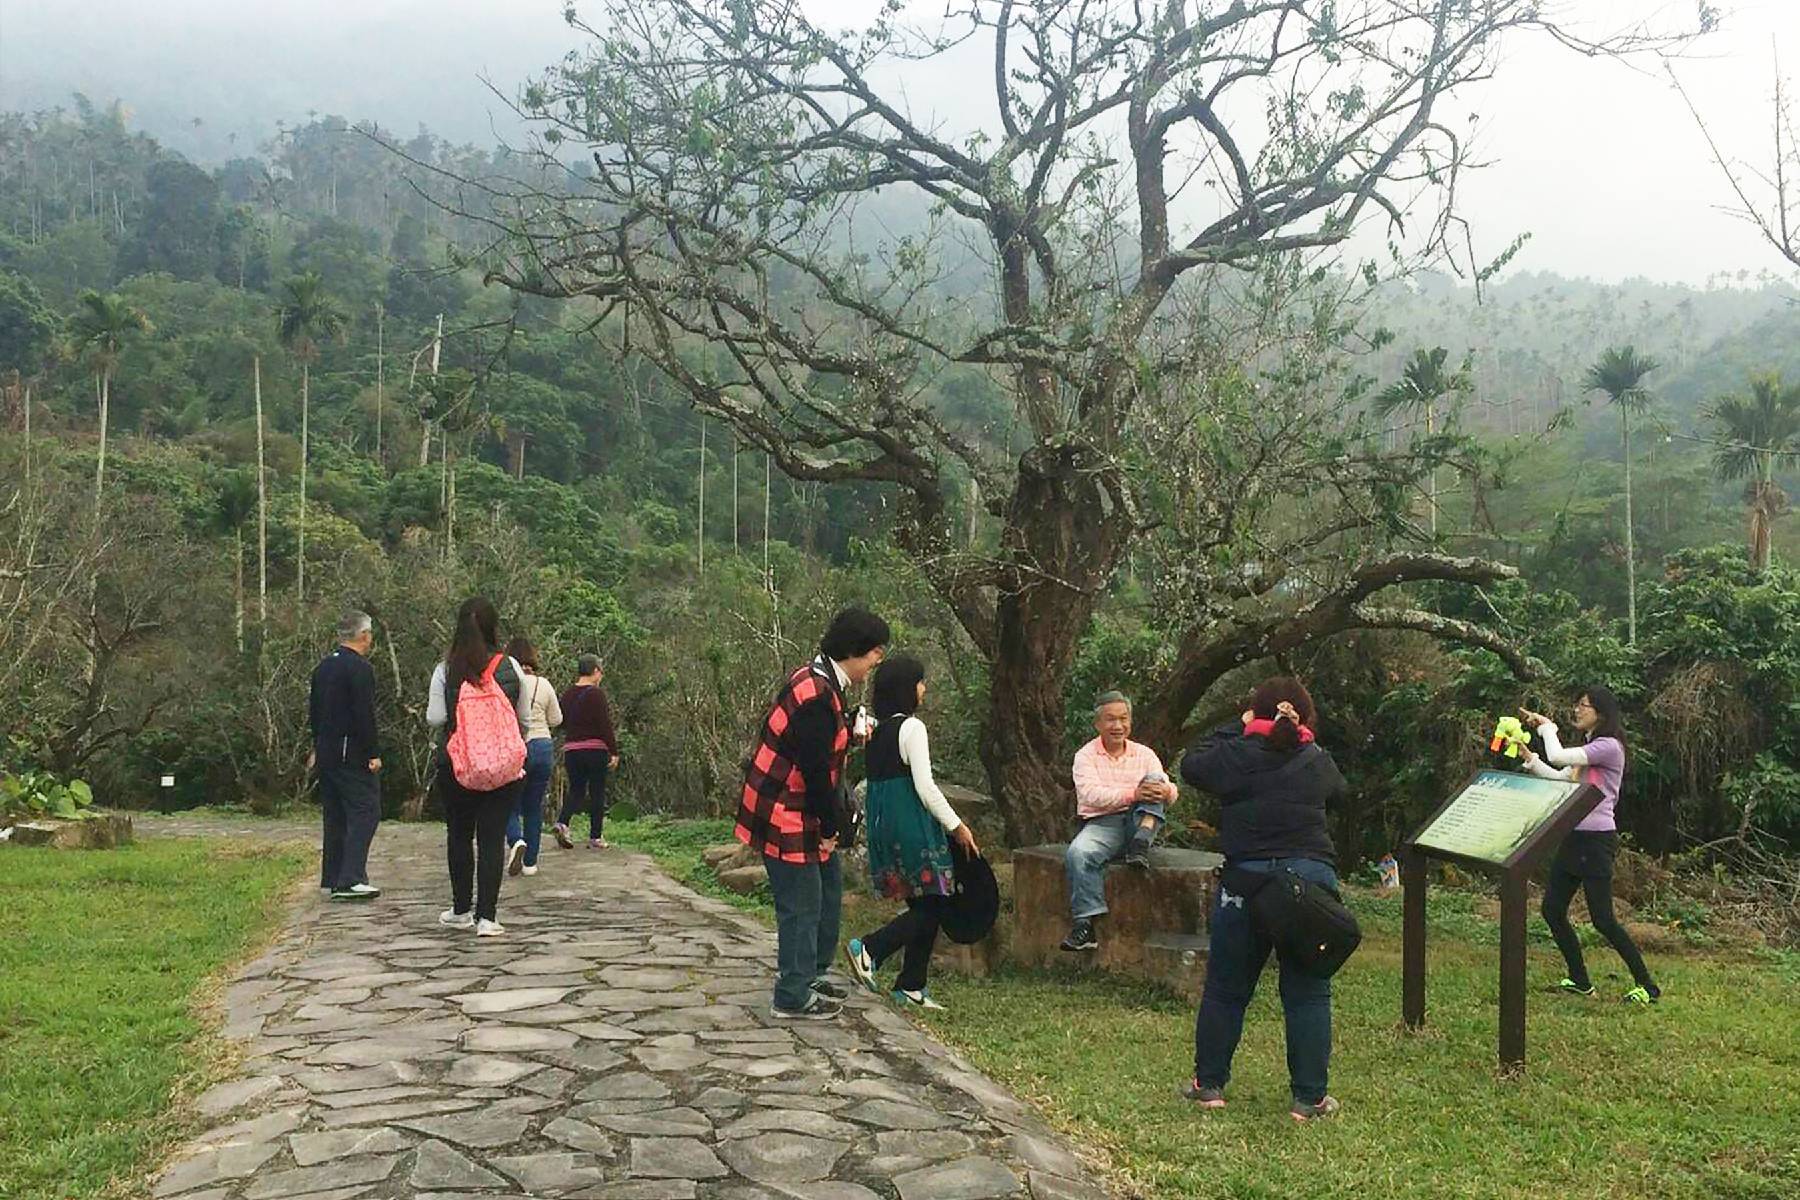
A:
(920, 999)
(861, 965)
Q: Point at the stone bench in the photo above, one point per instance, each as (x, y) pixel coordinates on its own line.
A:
(1156, 923)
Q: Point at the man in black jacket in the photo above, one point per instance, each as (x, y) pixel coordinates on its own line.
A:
(346, 755)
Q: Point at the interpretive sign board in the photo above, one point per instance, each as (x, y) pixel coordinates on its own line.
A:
(1495, 816)
(1504, 823)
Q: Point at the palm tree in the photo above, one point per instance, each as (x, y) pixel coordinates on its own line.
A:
(307, 317)
(236, 504)
(1620, 375)
(101, 328)
(1423, 385)
(1754, 432)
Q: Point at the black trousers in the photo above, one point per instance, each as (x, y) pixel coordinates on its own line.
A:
(587, 771)
(1584, 862)
(350, 800)
(913, 932)
(475, 828)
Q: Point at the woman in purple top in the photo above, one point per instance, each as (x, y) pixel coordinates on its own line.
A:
(1585, 859)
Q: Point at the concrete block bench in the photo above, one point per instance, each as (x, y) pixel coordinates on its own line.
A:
(1155, 927)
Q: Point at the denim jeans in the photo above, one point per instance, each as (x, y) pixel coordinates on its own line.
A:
(1234, 962)
(527, 821)
(809, 902)
(1099, 841)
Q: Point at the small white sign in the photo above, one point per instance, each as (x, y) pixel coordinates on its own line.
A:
(168, 781)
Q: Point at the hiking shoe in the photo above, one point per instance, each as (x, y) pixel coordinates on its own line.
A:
(1303, 1112)
(599, 844)
(1081, 937)
(1201, 1095)
(528, 870)
(1573, 988)
(489, 929)
(861, 964)
(1138, 855)
(356, 891)
(456, 920)
(918, 999)
(816, 1008)
(831, 989)
(562, 837)
(1642, 997)
(515, 858)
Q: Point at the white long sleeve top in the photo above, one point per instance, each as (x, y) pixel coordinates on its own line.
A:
(915, 752)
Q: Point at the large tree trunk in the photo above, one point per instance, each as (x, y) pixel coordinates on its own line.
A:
(1068, 523)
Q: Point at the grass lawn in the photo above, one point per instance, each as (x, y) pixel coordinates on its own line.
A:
(104, 956)
(1691, 1099)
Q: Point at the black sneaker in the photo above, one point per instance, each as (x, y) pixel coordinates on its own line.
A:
(1138, 855)
(816, 1008)
(830, 989)
(1081, 937)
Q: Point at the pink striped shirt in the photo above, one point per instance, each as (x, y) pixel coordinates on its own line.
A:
(1104, 784)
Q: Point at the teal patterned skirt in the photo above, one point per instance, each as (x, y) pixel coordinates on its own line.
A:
(909, 853)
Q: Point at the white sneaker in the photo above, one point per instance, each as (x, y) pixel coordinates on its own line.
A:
(489, 929)
(456, 920)
(531, 870)
(515, 858)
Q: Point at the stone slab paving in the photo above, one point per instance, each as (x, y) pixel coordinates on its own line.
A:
(616, 1044)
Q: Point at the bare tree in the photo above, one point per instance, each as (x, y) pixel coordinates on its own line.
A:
(1767, 193)
(1140, 157)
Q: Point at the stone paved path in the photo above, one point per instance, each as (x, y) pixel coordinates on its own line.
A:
(615, 1044)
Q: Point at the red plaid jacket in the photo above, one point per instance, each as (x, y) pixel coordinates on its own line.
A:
(772, 815)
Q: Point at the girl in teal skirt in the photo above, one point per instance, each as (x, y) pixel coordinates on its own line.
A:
(909, 831)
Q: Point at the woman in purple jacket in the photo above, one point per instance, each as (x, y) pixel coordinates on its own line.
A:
(1585, 859)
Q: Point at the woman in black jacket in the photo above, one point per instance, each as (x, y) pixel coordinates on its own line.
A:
(1273, 784)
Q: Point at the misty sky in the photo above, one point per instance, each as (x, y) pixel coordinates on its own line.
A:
(1601, 163)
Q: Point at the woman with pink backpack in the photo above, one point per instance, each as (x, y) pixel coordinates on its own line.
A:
(475, 701)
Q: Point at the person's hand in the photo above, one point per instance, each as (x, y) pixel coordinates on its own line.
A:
(374, 765)
(1287, 710)
(962, 837)
(1531, 758)
(1532, 719)
(1148, 792)
(312, 759)
(1249, 715)
(613, 763)
(1171, 793)
(828, 845)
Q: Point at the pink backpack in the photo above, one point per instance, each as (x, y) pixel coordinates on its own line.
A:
(487, 750)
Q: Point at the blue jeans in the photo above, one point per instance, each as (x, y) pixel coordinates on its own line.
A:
(527, 821)
(809, 902)
(1099, 841)
(1234, 962)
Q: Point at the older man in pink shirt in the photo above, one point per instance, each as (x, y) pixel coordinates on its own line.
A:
(1120, 791)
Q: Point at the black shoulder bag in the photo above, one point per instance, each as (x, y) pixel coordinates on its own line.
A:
(1307, 921)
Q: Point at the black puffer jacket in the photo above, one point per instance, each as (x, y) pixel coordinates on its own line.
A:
(1272, 801)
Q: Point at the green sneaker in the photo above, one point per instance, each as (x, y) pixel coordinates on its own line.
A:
(1574, 989)
(1642, 997)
